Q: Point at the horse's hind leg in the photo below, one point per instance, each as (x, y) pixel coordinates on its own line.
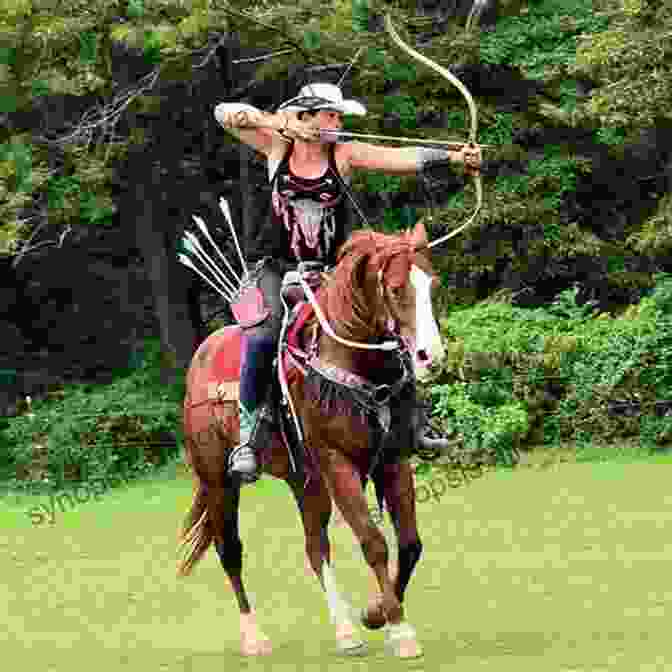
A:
(224, 503)
(315, 507)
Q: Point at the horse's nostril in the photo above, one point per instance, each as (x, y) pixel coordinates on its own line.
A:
(422, 355)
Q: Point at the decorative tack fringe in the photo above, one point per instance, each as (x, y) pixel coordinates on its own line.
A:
(333, 398)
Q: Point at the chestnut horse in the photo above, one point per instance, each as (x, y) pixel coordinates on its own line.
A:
(380, 288)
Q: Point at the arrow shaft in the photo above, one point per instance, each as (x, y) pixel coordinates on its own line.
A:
(451, 144)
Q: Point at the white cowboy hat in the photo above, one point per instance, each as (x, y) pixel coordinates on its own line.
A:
(322, 97)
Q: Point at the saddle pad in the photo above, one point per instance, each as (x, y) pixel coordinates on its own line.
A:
(304, 313)
(215, 370)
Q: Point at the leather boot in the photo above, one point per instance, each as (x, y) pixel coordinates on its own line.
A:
(243, 461)
(436, 445)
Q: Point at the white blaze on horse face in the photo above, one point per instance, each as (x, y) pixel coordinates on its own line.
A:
(428, 345)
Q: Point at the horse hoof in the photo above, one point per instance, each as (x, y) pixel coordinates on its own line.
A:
(407, 648)
(348, 641)
(372, 617)
(401, 641)
(256, 646)
(351, 646)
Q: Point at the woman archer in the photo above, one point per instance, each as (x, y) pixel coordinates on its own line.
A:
(309, 175)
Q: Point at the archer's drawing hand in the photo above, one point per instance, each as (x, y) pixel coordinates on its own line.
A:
(301, 130)
(472, 159)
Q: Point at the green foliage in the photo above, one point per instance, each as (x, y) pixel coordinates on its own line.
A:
(8, 103)
(375, 57)
(97, 431)
(510, 355)
(135, 9)
(655, 237)
(360, 16)
(499, 131)
(490, 428)
(552, 230)
(7, 55)
(88, 47)
(95, 209)
(542, 39)
(312, 40)
(566, 308)
(39, 88)
(400, 72)
(611, 136)
(662, 296)
(66, 197)
(541, 190)
(630, 61)
(152, 46)
(405, 108)
(393, 219)
(18, 171)
(59, 188)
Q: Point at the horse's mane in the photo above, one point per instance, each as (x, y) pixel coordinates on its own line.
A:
(350, 298)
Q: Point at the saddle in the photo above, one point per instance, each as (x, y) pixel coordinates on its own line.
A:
(249, 307)
(295, 357)
(250, 310)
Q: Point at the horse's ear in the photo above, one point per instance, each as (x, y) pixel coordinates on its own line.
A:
(419, 235)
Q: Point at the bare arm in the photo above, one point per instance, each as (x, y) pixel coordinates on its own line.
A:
(394, 160)
(254, 127)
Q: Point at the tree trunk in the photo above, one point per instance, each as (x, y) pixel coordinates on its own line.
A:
(178, 337)
(249, 195)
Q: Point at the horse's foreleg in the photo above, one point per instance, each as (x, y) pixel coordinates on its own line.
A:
(399, 497)
(315, 507)
(348, 493)
(400, 502)
(224, 504)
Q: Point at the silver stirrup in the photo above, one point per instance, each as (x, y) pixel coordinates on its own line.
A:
(243, 462)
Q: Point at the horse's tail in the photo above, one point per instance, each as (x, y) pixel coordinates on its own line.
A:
(210, 428)
(197, 533)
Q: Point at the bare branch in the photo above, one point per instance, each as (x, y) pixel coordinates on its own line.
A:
(352, 62)
(323, 68)
(209, 55)
(31, 248)
(26, 246)
(265, 57)
(268, 26)
(100, 116)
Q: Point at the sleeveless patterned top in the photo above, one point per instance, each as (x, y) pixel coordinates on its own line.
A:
(308, 221)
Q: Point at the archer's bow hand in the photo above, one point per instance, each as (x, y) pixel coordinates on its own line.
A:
(471, 157)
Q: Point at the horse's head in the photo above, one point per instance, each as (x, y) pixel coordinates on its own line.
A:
(383, 284)
(407, 283)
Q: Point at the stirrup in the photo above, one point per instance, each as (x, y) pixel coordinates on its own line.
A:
(439, 447)
(243, 461)
(431, 443)
(247, 458)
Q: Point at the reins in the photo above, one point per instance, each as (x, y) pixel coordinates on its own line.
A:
(324, 323)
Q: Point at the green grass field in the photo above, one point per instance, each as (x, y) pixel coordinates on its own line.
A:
(563, 569)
